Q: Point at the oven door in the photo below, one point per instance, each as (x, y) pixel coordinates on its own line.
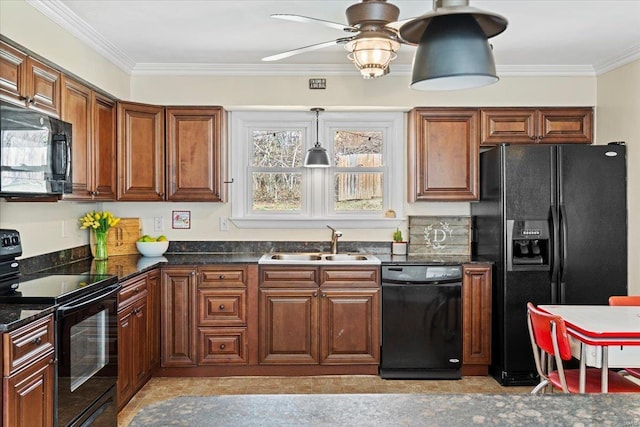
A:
(87, 355)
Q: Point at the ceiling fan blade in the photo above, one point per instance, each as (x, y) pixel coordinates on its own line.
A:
(305, 49)
(300, 18)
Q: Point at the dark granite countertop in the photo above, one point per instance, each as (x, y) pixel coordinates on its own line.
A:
(13, 316)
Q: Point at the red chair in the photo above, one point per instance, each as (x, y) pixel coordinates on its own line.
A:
(550, 343)
(629, 300)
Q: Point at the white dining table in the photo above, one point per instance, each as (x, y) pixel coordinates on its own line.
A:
(601, 326)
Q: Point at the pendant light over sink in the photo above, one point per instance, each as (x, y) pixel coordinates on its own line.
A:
(317, 156)
(453, 48)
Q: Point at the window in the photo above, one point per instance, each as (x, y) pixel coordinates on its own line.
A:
(274, 190)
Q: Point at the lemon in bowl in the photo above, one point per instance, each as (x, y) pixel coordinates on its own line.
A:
(152, 246)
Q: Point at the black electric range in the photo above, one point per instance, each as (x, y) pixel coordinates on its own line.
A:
(54, 288)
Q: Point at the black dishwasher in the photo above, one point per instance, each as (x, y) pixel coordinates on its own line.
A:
(421, 322)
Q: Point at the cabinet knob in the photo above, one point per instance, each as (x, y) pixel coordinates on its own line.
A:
(222, 346)
(324, 295)
(315, 294)
(136, 290)
(193, 273)
(221, 277)
(37, 340)
(221, 306)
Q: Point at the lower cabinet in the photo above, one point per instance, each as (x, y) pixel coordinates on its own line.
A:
(178, 319)
(138, 333)
(310, 315)
(476, 319)
(28, 375)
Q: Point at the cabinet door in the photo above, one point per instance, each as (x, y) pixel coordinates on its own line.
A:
(179, 315)
(126, 336)
(288, 326)
(443, 154)
(29, 395)
(564, 126)
(349, 326)
(153, 317)
(104, 148)
(140, 152)
(76, 109)
(12, 74)
(195, 154)
(43, 87)
(476, 315)
(508, 125)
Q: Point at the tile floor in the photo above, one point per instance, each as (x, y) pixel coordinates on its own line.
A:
(162, 388)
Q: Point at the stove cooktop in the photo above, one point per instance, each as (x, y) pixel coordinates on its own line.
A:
(55, 288)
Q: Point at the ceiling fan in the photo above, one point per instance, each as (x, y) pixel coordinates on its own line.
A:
(374, 38)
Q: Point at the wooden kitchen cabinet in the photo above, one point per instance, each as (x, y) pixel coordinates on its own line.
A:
(179, 317)
(28, 371)
(141, 160)
(27, 82)
(319, 315)
(93, 117)
(133, 354)
(537, 125)
(222, 315)
(443, 154)
(196, 158)
(476, 319)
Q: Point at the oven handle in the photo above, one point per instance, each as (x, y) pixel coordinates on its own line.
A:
(106, 292)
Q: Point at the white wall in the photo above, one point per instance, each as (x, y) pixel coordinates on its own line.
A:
(618, 119)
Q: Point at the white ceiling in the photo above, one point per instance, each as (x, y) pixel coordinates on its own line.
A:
(561, 37)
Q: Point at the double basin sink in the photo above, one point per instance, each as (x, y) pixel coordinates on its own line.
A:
(318, 258)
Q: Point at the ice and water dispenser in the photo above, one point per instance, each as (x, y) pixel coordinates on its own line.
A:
(528, 245)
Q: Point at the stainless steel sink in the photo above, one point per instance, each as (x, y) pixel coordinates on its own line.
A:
(318, 258)
(296, 257)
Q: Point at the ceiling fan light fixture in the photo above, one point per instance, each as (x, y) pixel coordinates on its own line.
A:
(317, 156)
(372, 55)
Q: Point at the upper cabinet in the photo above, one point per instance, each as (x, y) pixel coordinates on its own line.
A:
(537, 125)
(195, 154)
(93, 117)
(28, 82)
(443, 154)
(140, 152)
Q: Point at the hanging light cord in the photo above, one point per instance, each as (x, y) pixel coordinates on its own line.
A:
(317, 128)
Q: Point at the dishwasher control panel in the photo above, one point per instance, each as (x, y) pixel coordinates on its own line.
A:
(421, 273)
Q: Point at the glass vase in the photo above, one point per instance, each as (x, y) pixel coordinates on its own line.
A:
(100, 252)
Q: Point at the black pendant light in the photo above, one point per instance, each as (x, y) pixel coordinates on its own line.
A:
(317, 156)
(453, 49)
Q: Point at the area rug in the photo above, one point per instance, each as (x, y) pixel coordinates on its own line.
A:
(394, 410)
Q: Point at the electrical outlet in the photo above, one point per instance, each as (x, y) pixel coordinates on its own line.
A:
(224, 224)
(158, 223)
(63, 230)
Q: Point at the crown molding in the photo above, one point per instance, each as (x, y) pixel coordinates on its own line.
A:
(623, 58)
(67, 19)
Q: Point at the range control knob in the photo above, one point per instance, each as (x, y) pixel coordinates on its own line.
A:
(6, 241)
(15, 240)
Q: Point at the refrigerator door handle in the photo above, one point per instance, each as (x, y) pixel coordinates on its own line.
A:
(555, 266)
(563, 251)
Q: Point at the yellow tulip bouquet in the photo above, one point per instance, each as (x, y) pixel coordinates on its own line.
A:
(100, 222)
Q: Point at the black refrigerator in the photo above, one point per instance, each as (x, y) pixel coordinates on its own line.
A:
(553, 219)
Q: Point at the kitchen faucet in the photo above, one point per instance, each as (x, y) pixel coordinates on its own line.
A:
(335, 234)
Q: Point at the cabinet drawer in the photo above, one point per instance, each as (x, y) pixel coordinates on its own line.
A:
(234, 277)
(218, 307)
(287, 277)
(349, 277)
(26, 344)
(222, 345)
(131, 291)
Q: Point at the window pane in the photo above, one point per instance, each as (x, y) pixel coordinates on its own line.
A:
(280, 149)
(277, 191)
(357, 148)
(355, 191)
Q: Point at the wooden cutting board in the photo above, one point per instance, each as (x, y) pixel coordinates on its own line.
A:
(121, 239)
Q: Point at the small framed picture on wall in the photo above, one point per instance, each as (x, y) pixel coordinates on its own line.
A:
(181, 219)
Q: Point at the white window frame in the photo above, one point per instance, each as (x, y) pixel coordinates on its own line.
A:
(317, 203)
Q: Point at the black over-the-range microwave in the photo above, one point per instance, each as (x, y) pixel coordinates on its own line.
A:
(35, 153)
